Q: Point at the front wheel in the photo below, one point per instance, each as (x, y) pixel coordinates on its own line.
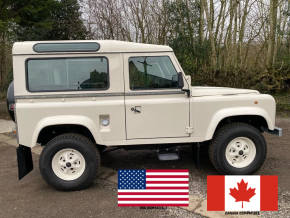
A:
(238, 149)
(69, 162)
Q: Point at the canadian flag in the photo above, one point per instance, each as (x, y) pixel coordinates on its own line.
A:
(242, 193)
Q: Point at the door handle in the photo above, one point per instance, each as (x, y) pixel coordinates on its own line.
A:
(135, 110)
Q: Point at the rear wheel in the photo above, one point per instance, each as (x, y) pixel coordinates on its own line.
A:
(69, 162)
(238, 149)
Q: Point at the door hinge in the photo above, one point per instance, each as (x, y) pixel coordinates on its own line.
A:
(189, 130)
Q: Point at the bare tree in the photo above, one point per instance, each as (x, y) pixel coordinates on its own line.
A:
(272, 35)
(211, 37)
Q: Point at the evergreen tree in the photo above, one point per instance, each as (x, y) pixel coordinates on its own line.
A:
(48, 20)
(28, 20)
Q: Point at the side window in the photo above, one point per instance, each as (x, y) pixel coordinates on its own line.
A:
(66, 74)
(152, 73)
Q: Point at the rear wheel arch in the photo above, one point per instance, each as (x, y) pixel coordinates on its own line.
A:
(49, 132)
(65, 124)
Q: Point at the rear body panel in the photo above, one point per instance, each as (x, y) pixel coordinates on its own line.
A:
(36, 110)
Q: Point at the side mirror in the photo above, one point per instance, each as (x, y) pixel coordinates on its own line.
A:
(180, 80)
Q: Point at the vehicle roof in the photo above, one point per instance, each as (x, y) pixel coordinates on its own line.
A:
(106, 46)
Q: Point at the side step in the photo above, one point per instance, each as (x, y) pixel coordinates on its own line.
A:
(168, 154)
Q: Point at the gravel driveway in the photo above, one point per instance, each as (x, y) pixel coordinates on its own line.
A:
(277, 163)
(32, 197)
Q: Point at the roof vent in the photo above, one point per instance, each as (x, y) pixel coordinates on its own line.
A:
(67, 47)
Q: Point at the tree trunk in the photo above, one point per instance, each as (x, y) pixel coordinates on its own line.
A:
(189, 26)
(219, 21)
(211, 38)
(220, 61)
(272, 35)
(242, 32)
(212, 13)
(201, 22)
(2, 58)
(229, 40)
(235, 37)
(181, 18)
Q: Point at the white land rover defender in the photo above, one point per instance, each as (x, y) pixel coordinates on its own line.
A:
(77, 98)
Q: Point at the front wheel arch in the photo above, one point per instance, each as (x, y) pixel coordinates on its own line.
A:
(256, 121)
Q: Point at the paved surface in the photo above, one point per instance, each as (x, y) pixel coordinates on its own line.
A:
(6, 125)
(32, 197)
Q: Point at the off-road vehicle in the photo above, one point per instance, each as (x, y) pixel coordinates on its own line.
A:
(77, 98)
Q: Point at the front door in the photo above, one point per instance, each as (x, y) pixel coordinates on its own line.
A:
(155, 106)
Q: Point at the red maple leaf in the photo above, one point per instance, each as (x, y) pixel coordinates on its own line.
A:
(242, 194)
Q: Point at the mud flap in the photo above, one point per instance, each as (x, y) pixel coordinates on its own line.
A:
(24, 160)
(195, 154)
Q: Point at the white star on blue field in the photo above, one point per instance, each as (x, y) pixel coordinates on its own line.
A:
(132, 179)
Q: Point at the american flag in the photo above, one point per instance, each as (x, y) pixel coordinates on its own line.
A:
(153, 188)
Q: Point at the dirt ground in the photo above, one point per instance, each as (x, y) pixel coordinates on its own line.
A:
(32, 197)
(3, 110)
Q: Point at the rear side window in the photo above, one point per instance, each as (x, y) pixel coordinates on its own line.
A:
(152, 73)
(67, 74)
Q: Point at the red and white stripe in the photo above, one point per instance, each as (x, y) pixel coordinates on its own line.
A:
(163, 188)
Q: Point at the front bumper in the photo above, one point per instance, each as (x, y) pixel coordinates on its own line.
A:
(277, 131)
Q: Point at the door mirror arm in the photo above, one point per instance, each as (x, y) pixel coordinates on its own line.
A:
(187, 91)
(181, 84)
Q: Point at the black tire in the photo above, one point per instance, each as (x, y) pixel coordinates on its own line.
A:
(79, 143)
(224, 136)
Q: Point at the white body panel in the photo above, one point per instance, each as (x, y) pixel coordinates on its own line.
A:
(165, 123)
(210, 91)
(107, 46)
(158, 117)
(209, 111)
(165, 114)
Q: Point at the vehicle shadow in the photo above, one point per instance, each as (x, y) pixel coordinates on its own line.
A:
(148, 159)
